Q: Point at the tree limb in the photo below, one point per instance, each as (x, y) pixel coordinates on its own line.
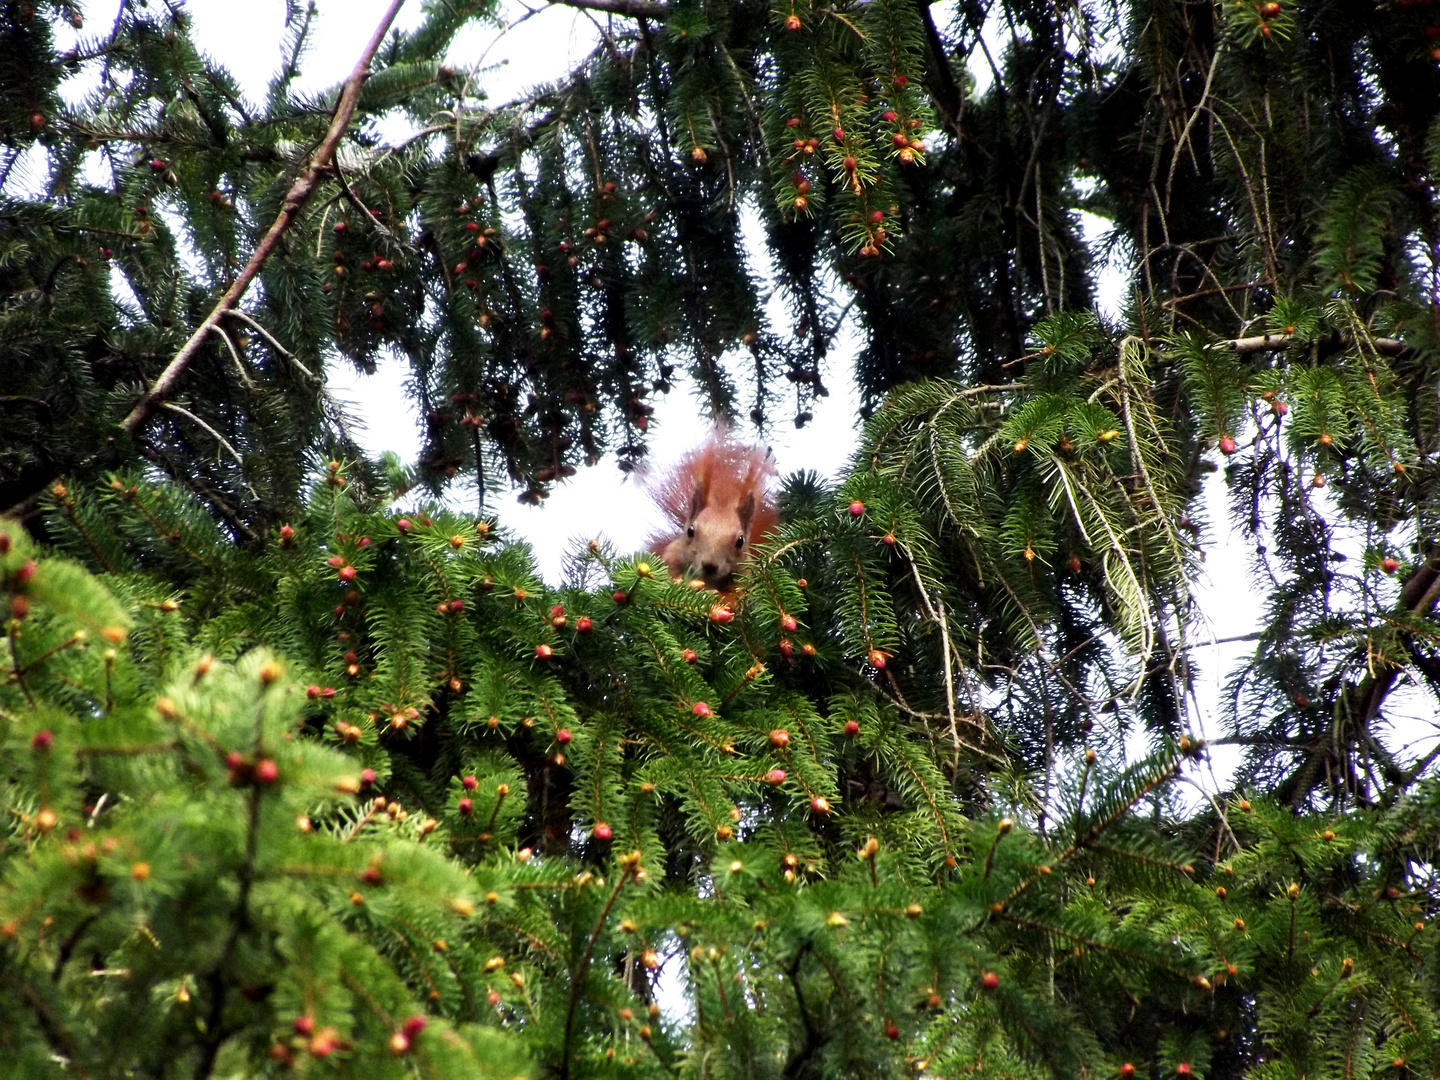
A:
(1271, 342)
(215, 1030)
(295, 200)
(634, 9)
(1418, 596)
(235, 355)
(578, 980)
(947, 89)
(54, 1034)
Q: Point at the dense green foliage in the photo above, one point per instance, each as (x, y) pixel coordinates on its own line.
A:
(297, 782)
(591, 787)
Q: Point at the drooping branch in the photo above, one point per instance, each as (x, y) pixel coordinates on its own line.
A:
(224, 442)
(295, 200)
(947, 90)
(269, 337)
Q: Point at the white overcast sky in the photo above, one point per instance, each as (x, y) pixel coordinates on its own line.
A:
(539, 48)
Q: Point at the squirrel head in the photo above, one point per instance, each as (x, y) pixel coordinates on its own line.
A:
(719, 503)
(714, 540)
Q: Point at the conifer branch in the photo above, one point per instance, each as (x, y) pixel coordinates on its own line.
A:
(1087, 841)
(235, 356)
(67, 505)
(295, 200)
(936, 613)
(1091, 942)
(919, 714)
(198, 486)
(580, 970)
(244, 316)
(1275, 342)
(17, 670)
(354, 200)
(1418, 596)
(67, 947)
(948, 94)
(813, 1041)
(215, 1031)
(170, 406)
(1184, 140)
(50, 1027)
(70, 642)
(290, 69)
(634, 9)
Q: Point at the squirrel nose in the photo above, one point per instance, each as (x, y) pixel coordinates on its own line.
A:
(708, 570)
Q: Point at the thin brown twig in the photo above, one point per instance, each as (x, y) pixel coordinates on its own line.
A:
(219, 332)
(270, 338)
(295, 200)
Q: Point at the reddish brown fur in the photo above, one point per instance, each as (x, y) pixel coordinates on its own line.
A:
(723, 489)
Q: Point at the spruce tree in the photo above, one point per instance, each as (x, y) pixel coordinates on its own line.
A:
(296, 782)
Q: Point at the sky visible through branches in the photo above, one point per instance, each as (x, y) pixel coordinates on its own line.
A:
(541, 44)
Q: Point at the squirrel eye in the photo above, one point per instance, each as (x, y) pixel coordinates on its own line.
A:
(739, 542)
(690, 532)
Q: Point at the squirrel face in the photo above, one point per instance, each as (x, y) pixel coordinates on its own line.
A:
(714, 540)
(718, 505)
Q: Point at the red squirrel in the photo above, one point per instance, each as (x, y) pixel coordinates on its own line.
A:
(719, 503)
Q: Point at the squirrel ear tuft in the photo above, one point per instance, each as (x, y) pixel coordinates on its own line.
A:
(697, 503)
(747, 511)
